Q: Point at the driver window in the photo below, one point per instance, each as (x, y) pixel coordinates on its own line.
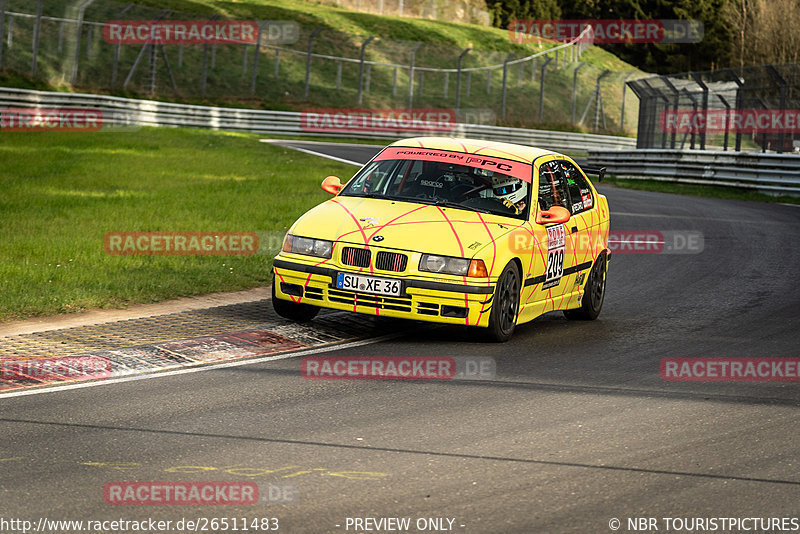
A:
(551, 186)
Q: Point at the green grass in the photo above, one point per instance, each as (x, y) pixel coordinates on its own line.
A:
(698, 190)
(344, 31)
(63, 191)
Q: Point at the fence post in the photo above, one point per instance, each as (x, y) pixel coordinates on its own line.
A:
(338, 75)
(411, 75)
(469, 82)
(394, 82)
(308, 58)
(782, 101)
(115, 65)
(37, 28)
(446, 83)
(739, 104)
(727, 120)
(575, 90)
(458, 76)
(509, 57)
(361, 67)
(204, 80)
(2, 25)
(153, 59)
(624, 87)
(541, 88)
(488, 81)
(76, 58)
(261, 28)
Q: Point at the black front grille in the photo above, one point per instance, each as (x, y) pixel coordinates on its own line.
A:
(391, 261)
(357, 257)
(351, 298)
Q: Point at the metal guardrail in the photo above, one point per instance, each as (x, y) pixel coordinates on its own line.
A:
(771, 173)
(131, 112)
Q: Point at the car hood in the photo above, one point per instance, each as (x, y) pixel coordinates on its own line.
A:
(403, 225)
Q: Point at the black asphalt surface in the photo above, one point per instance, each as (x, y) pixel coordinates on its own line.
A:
(576, 429)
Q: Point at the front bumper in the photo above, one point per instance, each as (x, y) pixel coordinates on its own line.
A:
(422, 298)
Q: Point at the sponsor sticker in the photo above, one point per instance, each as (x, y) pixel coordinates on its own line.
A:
(556, 241)
(516, 169)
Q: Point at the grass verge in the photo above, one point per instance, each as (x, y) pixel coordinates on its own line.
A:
(62, 192)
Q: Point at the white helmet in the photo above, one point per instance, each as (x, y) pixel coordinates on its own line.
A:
(511, 189)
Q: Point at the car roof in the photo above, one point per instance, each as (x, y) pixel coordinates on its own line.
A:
(526, 154)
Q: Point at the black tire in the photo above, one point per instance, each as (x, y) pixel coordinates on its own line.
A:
(505, 308)
(292, 310)
(594, 293)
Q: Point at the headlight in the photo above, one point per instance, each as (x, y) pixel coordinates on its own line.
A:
(456, 266)
(305, 245)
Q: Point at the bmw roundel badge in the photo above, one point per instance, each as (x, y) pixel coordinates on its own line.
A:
(378, 238)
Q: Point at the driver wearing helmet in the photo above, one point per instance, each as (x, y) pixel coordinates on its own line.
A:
(511, 191)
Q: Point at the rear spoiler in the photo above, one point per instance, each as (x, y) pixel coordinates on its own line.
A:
(600, 172)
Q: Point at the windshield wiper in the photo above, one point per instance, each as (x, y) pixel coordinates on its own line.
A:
(451, 204)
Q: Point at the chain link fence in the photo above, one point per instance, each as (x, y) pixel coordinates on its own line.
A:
(290, 66)
(747, 108)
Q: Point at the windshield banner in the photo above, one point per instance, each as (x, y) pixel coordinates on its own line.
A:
(516, 169)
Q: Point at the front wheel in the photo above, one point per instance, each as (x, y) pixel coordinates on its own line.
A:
(294, 311)
(593, 294)
(503, 318)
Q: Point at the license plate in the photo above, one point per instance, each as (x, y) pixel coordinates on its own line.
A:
(368, 284)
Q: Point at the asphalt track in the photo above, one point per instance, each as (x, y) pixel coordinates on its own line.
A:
(576, 429)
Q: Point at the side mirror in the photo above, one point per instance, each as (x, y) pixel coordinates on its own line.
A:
(556, 214)
(332, 184)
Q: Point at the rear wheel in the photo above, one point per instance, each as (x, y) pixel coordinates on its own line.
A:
(503, 318)
(593, 294)
(293, 311)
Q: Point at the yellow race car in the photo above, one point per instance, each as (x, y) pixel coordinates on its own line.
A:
(456, 231)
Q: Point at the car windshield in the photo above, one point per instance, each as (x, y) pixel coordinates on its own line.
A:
(443, 184)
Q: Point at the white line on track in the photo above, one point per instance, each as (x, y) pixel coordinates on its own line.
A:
(320, 154)
(199, 368)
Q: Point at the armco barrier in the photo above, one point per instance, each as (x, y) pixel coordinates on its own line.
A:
(127, 111)
(772, 173)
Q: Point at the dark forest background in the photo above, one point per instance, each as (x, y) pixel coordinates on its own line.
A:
(737, 32)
